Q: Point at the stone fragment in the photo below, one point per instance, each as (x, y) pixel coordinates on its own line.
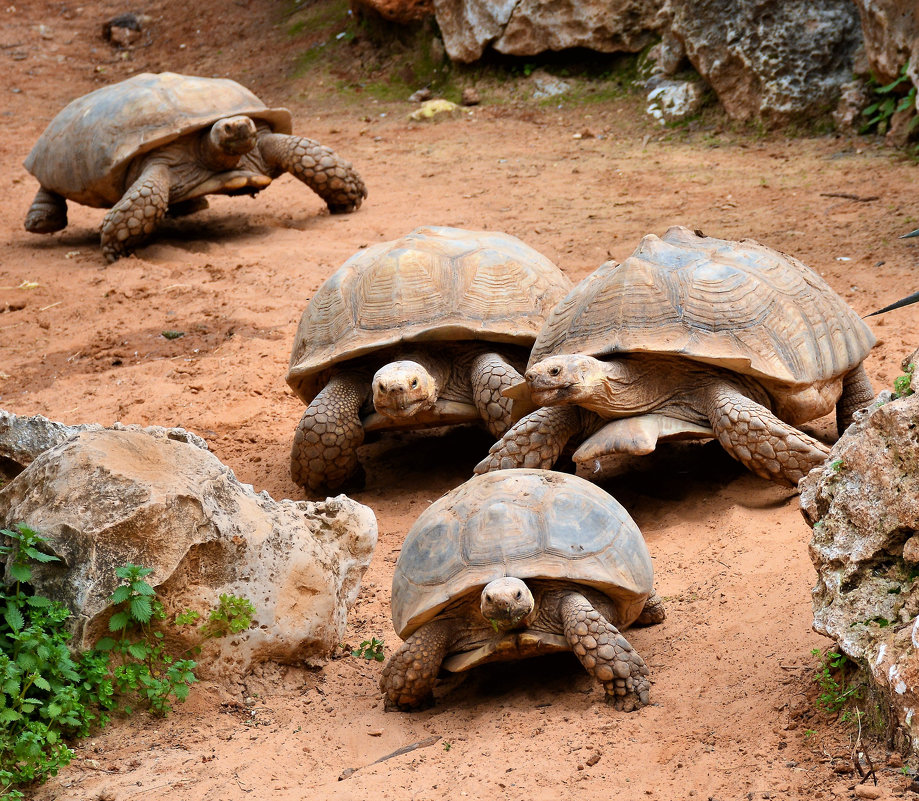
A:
(861, 505)
(402, 12)
(671, 101)
(104, 498)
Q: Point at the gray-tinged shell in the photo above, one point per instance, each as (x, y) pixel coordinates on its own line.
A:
(738, 305)
(435, 284)
(523, 523)
(86, 149)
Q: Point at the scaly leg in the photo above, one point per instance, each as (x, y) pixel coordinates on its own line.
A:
(408, 678)
(490, 373)
(47, 214)
(536, 440)
(324, 453)
(319, 167)
(857, 393)
(758, 439)
(605, 653)
(133, 218)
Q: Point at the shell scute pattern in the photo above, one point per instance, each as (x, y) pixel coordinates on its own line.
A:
(521, 523)
(436, 283)
(738, 305)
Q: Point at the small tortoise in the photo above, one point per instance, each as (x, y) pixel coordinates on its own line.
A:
(692, 337)
(515, 564)
(158, 143)
(423, 331)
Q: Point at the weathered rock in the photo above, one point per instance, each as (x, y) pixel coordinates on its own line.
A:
(769, 60)
(862, 506)
(546, 85)
(402, 12)
(105, 498)
(23, 438)
(667, 56)
(853, 98)
(528, 27)
(891, 32)
(670, 101)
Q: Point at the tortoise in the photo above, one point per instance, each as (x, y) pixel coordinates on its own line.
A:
(692, 337)
(514, 564)
(158, 143)
(422, 331)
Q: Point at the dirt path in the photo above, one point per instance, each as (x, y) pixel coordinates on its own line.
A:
(732, 664)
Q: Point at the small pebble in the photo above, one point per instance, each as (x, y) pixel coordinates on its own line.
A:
(866, 791)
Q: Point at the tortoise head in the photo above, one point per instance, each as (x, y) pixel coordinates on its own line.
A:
(234, 136)
(505, 602)
(566, 379)
(402, 389)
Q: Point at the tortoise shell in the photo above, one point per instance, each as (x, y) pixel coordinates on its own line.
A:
(435, 284)
(738, 305)
(525, 523)
(87, 148)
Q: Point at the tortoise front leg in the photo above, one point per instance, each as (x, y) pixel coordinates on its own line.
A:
(319, 167)
(857, 393)
(47, 214)
(536, 440)
(605, 653)
(133, 218)
(408, 678)
(324, 453)
(490, 375)
(757, 438)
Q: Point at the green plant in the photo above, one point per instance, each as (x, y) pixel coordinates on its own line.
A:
(890, 101)
(901, 382)
(834, 694)
(370, 649)
(46, 693)
(145, 667)
(837, 465)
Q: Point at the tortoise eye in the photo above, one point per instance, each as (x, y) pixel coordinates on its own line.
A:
(414, 383)
(554, 370)
(488, 597)
(519, 595)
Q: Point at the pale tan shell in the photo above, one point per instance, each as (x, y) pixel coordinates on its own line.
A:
(525, 523)
(86, 149)
(435, 284)
(739, 305)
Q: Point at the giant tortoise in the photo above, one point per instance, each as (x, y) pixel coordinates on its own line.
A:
(423, 331)
(692, 337)
(519, 563)
(158, 143)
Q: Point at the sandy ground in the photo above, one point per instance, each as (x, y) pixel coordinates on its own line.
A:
(732, 712)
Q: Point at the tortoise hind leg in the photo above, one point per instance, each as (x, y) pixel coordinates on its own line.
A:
(324, 453)
(653, 612)
(605, 653)
(408, 678)
(47, 214)
(319, 167)
(857, 393)
(490, 374)
(141, 209)
(757, 438)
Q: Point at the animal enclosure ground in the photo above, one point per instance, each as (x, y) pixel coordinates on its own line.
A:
(732, 712)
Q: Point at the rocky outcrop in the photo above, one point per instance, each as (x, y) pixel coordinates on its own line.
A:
(104, 498)
(767, 60)
(528, 27)
(891, 33)
(865, 547)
